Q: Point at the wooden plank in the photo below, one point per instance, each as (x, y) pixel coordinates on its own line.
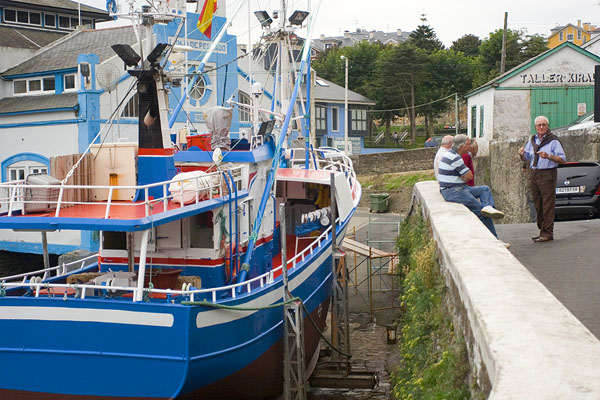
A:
(363, 249)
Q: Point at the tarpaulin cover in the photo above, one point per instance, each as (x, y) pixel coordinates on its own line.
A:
(218, 123)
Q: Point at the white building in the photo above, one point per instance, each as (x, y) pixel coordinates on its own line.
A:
(558, 83)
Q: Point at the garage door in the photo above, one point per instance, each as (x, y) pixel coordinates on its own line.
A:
(560, 105)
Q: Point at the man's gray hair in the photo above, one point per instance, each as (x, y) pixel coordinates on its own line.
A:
(540, 118)
(447, 141)
(459, 140)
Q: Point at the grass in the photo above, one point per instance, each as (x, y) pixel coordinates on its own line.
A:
(434, 363)
(395, 181)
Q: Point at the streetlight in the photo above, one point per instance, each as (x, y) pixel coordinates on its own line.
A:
(346, 120)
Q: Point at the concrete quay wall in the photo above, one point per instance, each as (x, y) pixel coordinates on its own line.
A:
(522, 342)
(394, 161)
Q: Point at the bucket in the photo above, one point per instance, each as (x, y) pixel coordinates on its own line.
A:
(200, 141)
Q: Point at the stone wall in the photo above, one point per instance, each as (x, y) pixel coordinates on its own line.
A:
(522, 342)
(395, 161)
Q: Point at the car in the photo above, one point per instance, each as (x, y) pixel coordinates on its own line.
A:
(583, 121)
(434, 141)
(578, 191)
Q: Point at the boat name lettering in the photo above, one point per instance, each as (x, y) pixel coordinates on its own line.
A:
(200, 45)
(571, 77)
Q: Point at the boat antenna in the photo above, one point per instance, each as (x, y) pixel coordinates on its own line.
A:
(277, 154)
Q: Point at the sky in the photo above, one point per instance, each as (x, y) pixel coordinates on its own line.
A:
(450, 19)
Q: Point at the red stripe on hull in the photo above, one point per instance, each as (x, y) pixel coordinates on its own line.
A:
(156, 152)
(263, 379)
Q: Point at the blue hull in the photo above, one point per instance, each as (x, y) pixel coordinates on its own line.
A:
(107, 348)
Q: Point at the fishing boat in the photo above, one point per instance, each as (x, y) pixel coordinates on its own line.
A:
(184, 299)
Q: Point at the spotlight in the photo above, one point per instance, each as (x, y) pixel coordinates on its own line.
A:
(127, 54)
(157, 52)
(298, 17)
(263, 17)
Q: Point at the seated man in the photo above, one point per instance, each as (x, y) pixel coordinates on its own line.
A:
(453, 175)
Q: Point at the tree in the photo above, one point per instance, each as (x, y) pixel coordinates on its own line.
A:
(361, 65)
(467, 44)
(519, 48)
(424, 37)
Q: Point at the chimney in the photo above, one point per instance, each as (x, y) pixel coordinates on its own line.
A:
(346, 34)
(399, 32)
(579, 23)
(322, 37)
(586, 26)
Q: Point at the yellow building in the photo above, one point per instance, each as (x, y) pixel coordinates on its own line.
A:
(570, 33)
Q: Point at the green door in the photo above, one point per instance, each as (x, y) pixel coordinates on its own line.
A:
(560, 104)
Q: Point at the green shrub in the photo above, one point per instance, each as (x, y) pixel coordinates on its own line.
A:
(434, 363)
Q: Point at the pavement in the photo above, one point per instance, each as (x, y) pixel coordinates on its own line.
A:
(567, 266)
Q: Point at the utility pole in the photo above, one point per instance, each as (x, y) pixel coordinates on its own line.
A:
(456, 114)
(503, 59)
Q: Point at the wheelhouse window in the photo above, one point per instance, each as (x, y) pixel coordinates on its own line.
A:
(20, 170)
(201, 231)
(131, 109)
(244, 113)
(321, 119)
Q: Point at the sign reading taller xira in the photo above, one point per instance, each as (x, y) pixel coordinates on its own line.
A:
(543, 78)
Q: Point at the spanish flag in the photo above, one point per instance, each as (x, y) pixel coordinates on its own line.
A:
(205, 21)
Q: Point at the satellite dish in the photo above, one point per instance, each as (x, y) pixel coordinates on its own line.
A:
(107, 76)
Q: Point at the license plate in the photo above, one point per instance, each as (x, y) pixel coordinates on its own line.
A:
(568, 189)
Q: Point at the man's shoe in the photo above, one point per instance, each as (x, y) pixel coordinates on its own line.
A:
(543, 239)
(491, 212)
(507, 245)
(535, 238)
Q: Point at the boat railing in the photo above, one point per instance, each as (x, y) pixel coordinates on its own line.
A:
(331, 159)
(212, 293)
(54, 197)
(45, 273)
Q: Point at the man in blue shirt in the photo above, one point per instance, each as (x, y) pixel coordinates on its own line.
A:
(544, 153)
(453, 176)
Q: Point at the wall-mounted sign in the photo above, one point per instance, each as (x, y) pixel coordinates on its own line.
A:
(200, 45)
(557, 78)
(581, 109)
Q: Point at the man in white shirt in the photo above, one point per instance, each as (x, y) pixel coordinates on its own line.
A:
(444, 147)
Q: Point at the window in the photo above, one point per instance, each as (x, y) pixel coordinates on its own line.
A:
(480, 121)
(198, 90)
(48, 84)
(474, 121)
(50, 20)
(569, 37)
(321, 119)
(358, 120)
(244, 112)
(23, 17)
(35, 18)
(64, 22)
(578, 35)
(20, 87)
(201, 231)
(10, 15)
(335, 121)
(74, 22)
(561, 36)
(20, 170)
(131, 109)
(69, 82)
(34, 85)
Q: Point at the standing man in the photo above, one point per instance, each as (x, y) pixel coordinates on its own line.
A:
(544, 152)
(444, 147)
(468, 159)
(453, 175)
